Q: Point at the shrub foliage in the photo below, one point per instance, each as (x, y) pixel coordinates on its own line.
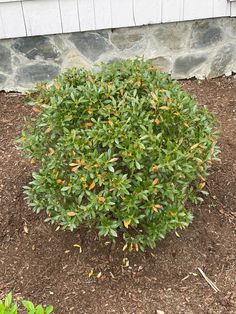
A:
(8, 307)
(121, 149)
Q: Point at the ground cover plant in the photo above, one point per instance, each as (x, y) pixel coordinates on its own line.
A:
(122, 149)
(8, 307)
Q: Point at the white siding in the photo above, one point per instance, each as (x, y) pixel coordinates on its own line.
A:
(38, 17)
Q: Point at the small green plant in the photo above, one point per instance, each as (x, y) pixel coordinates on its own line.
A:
(7, 307)
(122, 149)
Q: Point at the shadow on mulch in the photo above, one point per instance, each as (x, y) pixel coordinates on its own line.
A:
(43, 265)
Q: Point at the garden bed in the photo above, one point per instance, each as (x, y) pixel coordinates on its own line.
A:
(43, 265)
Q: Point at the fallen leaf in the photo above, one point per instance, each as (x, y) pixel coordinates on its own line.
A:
(87, 124)
(194, 146)
(91, 273)
(26, 230)
(78, 246)
(157, 121)
(33, 161)
(155, 168)
(90, 78)
(99, 275)
(74, 169)
(125, 262)
(37, 110)
(122, 91)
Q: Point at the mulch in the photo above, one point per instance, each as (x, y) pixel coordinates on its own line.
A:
(43, 265)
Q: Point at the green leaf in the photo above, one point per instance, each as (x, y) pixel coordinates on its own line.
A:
(49, 309)
(28, 305)
(8, 300)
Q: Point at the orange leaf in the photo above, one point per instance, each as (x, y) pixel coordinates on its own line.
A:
(48, 130)
(92, 186)
(155, 181)
(87, 124)
(157, 121)
(74, 169)
(139, 82)
(71, 214)
(35, 109)
(101, 199)
(90, 79)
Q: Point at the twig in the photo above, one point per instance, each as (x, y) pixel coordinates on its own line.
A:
(214, 287)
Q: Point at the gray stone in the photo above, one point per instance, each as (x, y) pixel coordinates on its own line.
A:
(162, 63)
(127, 38)
(205, 34)
(5, 59)
(2, 79)
(33, 47)
(36, 72)
(91, 45)
(221, 60)
(171, 36)
(183, 66)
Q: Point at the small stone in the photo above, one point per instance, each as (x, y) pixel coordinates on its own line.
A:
(221, 60)
(5, 59)
(205, 34)
(162, 63)
(33, 47)
(127, 38)
(36, 73)
(185, 65)
(91, 45)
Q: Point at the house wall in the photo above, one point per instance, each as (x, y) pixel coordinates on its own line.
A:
(19, 18)
(203, 48)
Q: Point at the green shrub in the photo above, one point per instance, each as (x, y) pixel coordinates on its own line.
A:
(7, 307)
(122, 149)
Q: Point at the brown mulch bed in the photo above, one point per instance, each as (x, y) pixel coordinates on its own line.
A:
(41, 264)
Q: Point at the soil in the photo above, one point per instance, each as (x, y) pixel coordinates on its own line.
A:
(41, 264)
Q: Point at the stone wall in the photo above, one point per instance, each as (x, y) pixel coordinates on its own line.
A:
(203, 48)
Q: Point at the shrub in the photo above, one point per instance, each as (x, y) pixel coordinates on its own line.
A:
(7, 307)
(122, 149)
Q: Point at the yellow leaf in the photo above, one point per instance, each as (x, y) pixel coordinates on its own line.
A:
(194, 146)
(78, 246)
(164, 108)
(156, 207)
(51, 151)
(177, 113)
(139, 82)
(33, 161)
(127, 222)
(57, 86)
(186, 124)
(92, 186)
(90, 273)
(125, 247)
(114, 159)
(136, 247)
(155, 168)
(154, 96)
(59, 181)
(125, 262)
(110, 122)
(71, 214)
(122, 91)
(201, 185)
